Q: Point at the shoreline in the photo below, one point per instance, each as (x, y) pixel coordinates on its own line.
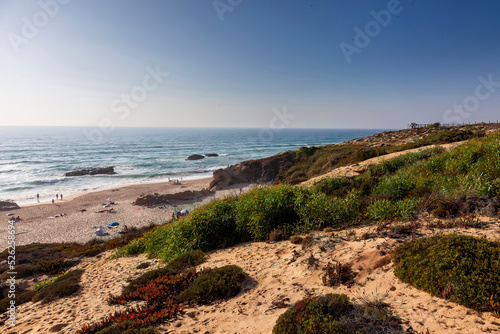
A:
(76, 218)
(77, 194)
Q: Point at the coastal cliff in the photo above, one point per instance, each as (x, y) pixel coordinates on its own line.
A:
(253, 171)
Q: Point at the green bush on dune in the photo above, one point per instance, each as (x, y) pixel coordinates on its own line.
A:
(336, 314)
(178, 264)
(251, 216)
(208, 227)
(462, 268)
(214, 284)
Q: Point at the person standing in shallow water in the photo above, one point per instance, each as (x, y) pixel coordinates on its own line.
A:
(38, 198)
(60, 196)
(57, 196)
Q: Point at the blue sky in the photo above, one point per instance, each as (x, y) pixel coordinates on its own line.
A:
(239, 63)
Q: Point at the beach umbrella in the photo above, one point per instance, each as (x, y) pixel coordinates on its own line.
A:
(113, 224)
(100, 232)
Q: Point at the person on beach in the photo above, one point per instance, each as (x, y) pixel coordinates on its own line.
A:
(52, 201)
(57, 196)
(61, 197)
(38, 198)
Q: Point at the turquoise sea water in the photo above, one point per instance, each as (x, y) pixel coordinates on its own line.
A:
(34, 159)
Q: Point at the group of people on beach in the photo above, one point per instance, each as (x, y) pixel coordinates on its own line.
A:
(58, 196)
(176, 181)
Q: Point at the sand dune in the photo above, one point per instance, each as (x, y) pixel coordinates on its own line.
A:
(279, 274)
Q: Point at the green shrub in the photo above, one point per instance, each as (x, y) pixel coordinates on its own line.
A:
(307, 151)
(42, 285)
(385, 209)
(334, 313)
(263, 210)
(148, 330)
(307, 317)
(180, 263)
(52, 267)
(397, 186)
(380, 210)
(334, 186)
(464, 269)
(406, 208)
(135, 247)
(64, 286)
(208, 227)
(214, 284)
(20, 298)
(22, 270)
(116, 330)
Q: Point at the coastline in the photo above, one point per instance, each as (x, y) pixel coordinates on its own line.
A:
(134, 185)
(76, 218)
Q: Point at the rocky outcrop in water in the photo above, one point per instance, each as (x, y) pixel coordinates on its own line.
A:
(211, 155)
(253, 171)
(196, 157)
(93, 171)
(7, 206)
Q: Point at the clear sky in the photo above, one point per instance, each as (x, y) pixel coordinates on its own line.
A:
(249, 63)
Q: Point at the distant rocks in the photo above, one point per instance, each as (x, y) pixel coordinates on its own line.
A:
(199, 156)
(93, 171)
(7, 206)
(196, 157)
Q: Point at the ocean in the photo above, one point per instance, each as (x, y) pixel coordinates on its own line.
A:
(34, 159)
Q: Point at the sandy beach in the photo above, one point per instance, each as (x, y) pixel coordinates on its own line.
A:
(75, 218)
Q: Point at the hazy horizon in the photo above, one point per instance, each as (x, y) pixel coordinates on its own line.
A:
(248, 64)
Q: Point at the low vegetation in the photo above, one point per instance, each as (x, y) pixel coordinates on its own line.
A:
(397, 189)
(314, 161)
(53, 260)
(181, 263)
(214, 284)
(166, 292)
(463, 269)
(335, 313)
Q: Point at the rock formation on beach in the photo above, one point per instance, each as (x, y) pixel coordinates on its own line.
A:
(94, 171)
(253, 171)
(7, 206)
(195, 157)
(166, 198)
